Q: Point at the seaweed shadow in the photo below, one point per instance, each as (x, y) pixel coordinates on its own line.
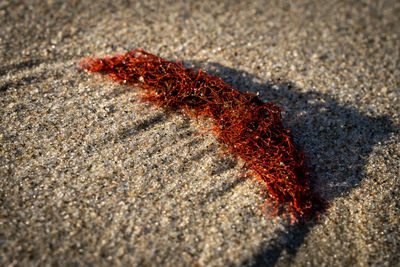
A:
(336, 138)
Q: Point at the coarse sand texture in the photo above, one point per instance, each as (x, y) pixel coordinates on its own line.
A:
(90, 174)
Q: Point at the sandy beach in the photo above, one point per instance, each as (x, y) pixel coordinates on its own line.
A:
(90, 175)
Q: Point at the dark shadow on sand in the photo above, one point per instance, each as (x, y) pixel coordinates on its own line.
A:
(336, 138)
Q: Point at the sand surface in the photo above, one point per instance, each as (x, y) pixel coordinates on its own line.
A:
(89, 175)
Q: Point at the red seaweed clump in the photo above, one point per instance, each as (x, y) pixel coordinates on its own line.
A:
(248, 127)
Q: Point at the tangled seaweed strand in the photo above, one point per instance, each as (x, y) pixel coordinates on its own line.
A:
(250, 128)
